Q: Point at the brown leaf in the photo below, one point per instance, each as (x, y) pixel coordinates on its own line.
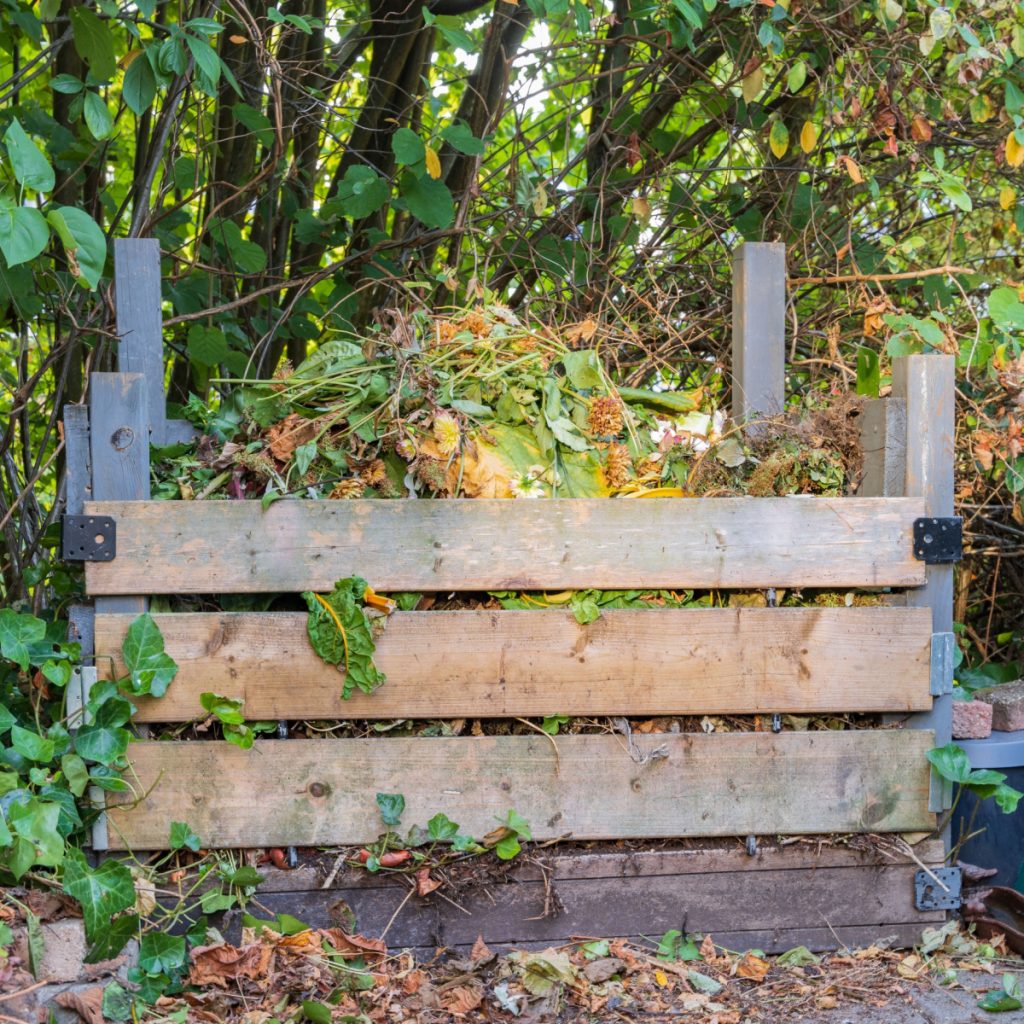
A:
(356, 945)
(463, 997)
(920, 129)
(88, 1004)
(852, 169)
(601, 970)
(425, 885)
(284, 437)
(480, 950)
(752, 967)
(583, 331)
(707, 948)
(220, 963)
(413, 981)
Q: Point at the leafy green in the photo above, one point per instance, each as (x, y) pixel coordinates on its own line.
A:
(84, 243)
(150, 669)
(94, 42)
(160, 953)
(674, 945)
(101, 892)
(24, 232)
(183, 838)
(392, 806)
(30, 165)
(228, 711)
(341, 634)
(17, 633)
(951, 762)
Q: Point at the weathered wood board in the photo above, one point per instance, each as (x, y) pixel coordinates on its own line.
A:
(236, 547)
(322, 792)
(486, 664)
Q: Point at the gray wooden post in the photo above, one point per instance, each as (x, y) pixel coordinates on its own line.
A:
(926, 383)
(758, 330)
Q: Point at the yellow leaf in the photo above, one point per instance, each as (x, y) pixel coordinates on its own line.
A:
(641, 209)
(751, 84)
(778, 139)
(1007, 198)
(433, 163)
(1014, 151)
(852, 169)
(661, 978)
(540, 200)
(126, 60)
(808, 137)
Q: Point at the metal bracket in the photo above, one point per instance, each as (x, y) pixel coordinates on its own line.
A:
(88, 538)
(929, 894)
(938, 541)
(943, 650)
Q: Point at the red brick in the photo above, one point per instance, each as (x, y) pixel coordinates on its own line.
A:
(972, 719)
(1007, 703)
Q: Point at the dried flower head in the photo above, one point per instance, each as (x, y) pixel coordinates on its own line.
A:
(281, 374)
(406, 448)
(346, 489)
(374, 474)
(617, 466)
(476, 324)
(447, 434)
(605, 416)
(433, 474)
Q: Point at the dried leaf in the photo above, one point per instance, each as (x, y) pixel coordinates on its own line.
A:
(221, 963)
(920, 129)
(425, 885)
(480, 950)
(88, 1004)
(752, 967)
(601, 970)
(707, 948)
(752, 83)
(348, 946)
(583, 331)
(540, 200)
(462, 998)
(284, 437)
(852, 169)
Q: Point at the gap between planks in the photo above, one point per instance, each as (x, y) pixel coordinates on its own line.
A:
(448, 545)
(487, 664)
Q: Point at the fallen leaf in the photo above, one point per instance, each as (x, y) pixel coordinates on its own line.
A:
(425, 885)
(88, 1004)
(480, 950)
(707, 948)
(349, 946)
(601, 970)
(752, 967)
(220, 963)
(583, 331)
(284, 437)
(462, 998)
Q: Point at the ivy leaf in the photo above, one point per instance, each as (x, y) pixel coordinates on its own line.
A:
(84, 243)
(31, 745)
(117, 1003)
(507, 848)
(183, 838)
(950, 762)
(442, 829)
(150, 668)
(407, 146)
(102, 743)
(23, 232)
(429, 201)
(341, 634)
(75, 772)
(139, 86)
(160, 953)
(392, 806)
(37, 822)
(94, 42)
(31, 167)
(112, 938)
(17, 632)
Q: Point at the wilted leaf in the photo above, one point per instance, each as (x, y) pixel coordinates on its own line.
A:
(541, 972)
(752, 967)
(752, 83)
(221, 963)
(87, 1003)
(1007, 198)
(463, 997)
(778, 139)
(852, 168)
(920, 128)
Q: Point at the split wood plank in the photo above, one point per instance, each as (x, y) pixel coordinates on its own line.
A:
(237, 547)
(492, 664)
(322, 792)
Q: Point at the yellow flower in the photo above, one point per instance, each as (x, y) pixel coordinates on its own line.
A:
(447, 434)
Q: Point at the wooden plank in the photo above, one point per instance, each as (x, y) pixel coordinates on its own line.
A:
(78, 459)
(140, 322)
(488, 664)
(884, 439)
(235, 546)
(926, 383)
(320, 792)
(758, 330)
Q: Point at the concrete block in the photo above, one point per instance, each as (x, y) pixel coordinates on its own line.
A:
(1007, 702)
(972, 719)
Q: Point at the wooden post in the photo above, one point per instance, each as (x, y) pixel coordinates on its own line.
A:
(883, 439)
(926, 384)
(758, 330)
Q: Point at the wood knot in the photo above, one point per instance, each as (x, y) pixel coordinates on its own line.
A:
(319, 789)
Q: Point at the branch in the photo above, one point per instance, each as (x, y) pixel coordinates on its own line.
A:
(905, 275)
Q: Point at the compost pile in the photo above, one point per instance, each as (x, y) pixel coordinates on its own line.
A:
(478, 404)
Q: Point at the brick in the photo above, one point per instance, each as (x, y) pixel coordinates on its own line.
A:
(972, 719)
(1007, 702)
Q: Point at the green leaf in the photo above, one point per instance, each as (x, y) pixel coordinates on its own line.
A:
(75, 772)
(31, 745)
(67, 84)
(507, 848)
(318, 1013)
(227, 710)
(583, 368)
(868, 374)
(31, 167)
(207, 345)
(1006, 308)
(518, 824)
(205, 56)
(459, 136)
(160, 953)
(83, 241)
(442, 829)
(245, 876)
(392, 806)
(36, 942)
(38, 823)
(94, 42)
(352, 645)
(97, 116)
(429, 201)
(674, 945)
(248, 257)
(113, 937)
(117, 1003)
(138, 90)
(18, 631)
(362, 192)
(102, 744)
(183, 838)
(256, 121)
(950, 762)
(407, 146)
(151, 669)
(704, 984)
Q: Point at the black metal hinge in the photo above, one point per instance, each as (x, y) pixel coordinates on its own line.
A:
(938, 541)
(937, 889)
(88, 538)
